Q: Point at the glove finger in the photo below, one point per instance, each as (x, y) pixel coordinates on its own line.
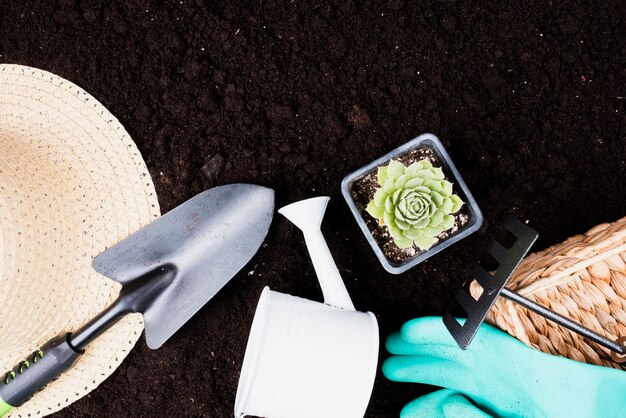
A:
(396, 344)
(431, 330)
(431, 371)
(460, 406)
(427, 330)
(445, 403)
(427, 406)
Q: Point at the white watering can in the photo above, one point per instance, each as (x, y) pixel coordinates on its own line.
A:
(304, 358)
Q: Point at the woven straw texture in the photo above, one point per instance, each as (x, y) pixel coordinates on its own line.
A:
(72, 183)
(583, 278)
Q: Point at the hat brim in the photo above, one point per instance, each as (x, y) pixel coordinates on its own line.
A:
(72, 183)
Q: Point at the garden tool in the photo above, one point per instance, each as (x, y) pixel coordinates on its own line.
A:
(494, 285)
(304, 358)
(168, 270)
(307, 215)
(500, 375)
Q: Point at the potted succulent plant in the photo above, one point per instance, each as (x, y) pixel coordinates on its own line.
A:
(411, 203)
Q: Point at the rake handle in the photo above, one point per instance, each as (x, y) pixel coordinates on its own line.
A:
(566, 322)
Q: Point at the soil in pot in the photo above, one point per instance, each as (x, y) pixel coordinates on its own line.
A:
(363, 191)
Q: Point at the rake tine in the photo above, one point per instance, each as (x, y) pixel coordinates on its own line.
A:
(508, 259)
(466, 301)
(495, 285)
(516, 227)
(464, 333)
(482, 276)
(456, 330)
(497, 250)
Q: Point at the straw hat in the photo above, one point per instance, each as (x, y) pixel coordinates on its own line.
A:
(72, 183)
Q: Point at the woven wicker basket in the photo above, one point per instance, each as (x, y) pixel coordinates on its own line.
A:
(583, 278)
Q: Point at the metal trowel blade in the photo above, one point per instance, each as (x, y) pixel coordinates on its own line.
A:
(205, 241)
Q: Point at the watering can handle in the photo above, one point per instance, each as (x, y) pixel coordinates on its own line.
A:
(333, 288)
(307, 215)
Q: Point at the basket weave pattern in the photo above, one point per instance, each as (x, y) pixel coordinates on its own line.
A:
(582, 278)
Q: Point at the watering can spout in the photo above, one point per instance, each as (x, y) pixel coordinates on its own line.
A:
(307, 215)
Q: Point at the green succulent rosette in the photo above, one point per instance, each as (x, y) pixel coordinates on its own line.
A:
(416, 203)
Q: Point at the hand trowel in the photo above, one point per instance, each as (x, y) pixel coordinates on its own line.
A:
(168, 270)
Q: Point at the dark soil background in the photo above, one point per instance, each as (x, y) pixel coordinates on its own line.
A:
(528, 98)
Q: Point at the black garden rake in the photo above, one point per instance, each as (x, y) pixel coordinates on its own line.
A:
(494, 285)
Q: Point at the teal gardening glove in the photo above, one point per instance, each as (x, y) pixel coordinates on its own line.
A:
(445, 403)
(500, 376)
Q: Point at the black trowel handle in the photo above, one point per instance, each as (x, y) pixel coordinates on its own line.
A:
(32, 374)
